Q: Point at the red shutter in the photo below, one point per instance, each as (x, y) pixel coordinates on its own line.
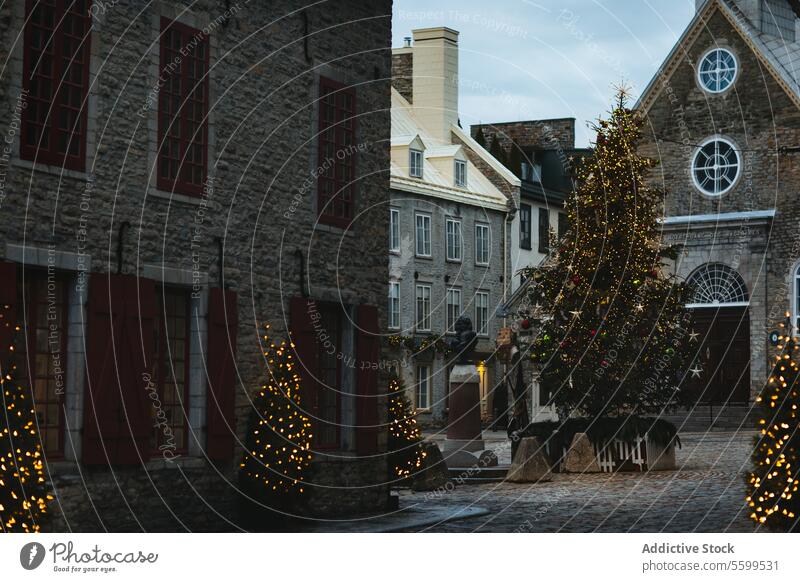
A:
(8, 304)
(117, 425)
(368, 353)
(221, 367)
(301, 319)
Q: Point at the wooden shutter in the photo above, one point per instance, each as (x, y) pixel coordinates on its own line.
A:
(8, 305)
(221, 366)
(117, 423)
(368, 352)
(301, 312)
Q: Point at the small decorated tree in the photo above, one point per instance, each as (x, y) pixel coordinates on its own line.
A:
(773, 483)
(23, 489)
(279, 440)
(406, 456)
(613, 328)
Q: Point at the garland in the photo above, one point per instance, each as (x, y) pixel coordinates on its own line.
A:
(437, 343)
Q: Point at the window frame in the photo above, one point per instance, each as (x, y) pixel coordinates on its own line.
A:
(178, 184)
(716, 139)
(526, 227)
(451, 318)
(543, 243)
(700, 73)
(55, 104)
(460, 173)
(36, 282)
(394, 230)
(422, 318)
(338, 182)
(485, 295)
(164, 359)
(478, 249)
(416, 170)
(424, 216)
(418, 391)
(394, 301)
(457, 233)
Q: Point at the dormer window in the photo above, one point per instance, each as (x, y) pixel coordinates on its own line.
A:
(415, 163)
(461, 174)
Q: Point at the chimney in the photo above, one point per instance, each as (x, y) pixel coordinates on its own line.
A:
(435, 87)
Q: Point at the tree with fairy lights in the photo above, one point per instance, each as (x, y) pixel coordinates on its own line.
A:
(611, 319)
(279, 440)
(772, 486)
(23, 489)
(406, 456)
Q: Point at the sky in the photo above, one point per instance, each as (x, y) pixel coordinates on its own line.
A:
(544, 59)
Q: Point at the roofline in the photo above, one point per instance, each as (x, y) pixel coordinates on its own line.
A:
(525, 121)
(652, 91)
(504, 172)
(426, 189)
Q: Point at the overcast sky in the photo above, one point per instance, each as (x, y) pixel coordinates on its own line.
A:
(541, 59)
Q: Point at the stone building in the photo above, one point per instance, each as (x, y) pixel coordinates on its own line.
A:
(172, 178)
(722, 119)
(543, 155)
(451, 209)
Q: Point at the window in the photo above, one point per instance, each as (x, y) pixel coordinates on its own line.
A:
(423, 315)
(45, 349)
(423, 391)
(461, 173)
(482, 244)
(544, 230)
(525, 171)
(453, 228)
(337, 153)
(394, 230)
(171, 368)
(423, 235)
(183, 109)
(394, 305)
(717, 70)
(525, 226)
(718, 284)
(329, 352)
(453, 308)
(563, 225)
(716, 167)
(415, 163)
(482, 313)
(56, 76)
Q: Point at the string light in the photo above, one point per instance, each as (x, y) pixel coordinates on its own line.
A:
(279, 441)
(406, 456)
(24, 496)
(772, 485)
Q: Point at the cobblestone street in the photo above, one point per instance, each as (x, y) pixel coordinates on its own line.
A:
(706, 494)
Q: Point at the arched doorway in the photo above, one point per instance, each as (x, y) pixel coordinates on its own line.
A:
(720, 374)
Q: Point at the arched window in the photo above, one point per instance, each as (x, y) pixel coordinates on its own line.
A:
(717, 284)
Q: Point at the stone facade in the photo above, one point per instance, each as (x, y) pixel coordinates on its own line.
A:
(541, 134)
(258, 214)
(759, 114)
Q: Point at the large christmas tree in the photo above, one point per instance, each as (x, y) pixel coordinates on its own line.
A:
(279, 441)
(772, 486)
(23, 489)
(406, 456)
(612, 325)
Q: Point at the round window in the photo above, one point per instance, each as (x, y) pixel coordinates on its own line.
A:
(717, 70)
(716, 166)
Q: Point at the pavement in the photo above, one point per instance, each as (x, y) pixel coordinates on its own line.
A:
(705, 494)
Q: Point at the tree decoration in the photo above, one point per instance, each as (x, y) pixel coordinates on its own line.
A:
(406, 456)
(606, 282)
(772, 485)
(414, 345)
(279, 441)
(23, 488)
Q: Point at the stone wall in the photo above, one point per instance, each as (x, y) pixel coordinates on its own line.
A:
(759, 117)
(259, 202)
(538, 134)
(403, 73)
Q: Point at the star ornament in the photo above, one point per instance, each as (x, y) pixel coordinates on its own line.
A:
(696, 371)
(693, 336)
(576, 314)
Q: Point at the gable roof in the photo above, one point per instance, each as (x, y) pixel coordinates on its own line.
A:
(779, 56)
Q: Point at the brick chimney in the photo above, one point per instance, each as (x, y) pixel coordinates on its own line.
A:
(435, 85)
